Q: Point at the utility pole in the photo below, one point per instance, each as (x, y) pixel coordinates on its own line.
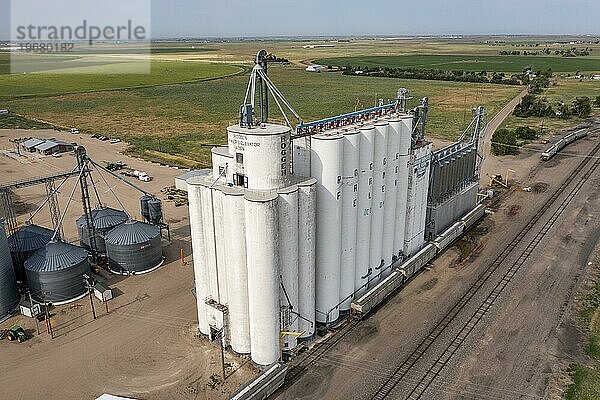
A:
(48, 322)
(221, 335)
(37, 325)
(89, 287)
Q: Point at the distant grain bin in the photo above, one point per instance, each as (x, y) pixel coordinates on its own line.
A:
(134, 247)
(144, 208)
(9, 296)
(155, 211)
(57, 269)
(24, 242)
(104, 219)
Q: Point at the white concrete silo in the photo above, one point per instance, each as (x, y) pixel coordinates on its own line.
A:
(349, 216)
(380, 154)
(307, 206)
(326, 166)
(391, 191)
(199, 254)
(287, 209)
(215, 318)
(261, 155)
(237, 271)
(363, 225)
(403, 174)
(262, 258)
(414, 236)
(222, 260)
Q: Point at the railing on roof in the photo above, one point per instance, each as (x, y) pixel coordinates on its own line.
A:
(311, 128)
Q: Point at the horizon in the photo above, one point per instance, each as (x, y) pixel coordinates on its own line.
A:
(186, 19)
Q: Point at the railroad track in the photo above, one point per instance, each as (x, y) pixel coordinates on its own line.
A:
(430, 375)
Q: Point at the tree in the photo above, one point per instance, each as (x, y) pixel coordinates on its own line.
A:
(582, 107)
(504, 142)
(526, 133)
(597, 102)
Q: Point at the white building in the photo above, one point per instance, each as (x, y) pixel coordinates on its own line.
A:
(315, 68)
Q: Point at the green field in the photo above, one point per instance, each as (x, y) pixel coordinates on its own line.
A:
(72, 75)
(171, 123)
(489, 63)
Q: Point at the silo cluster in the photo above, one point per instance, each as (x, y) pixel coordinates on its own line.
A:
(252, 225)
(280, 244)
(372, 183)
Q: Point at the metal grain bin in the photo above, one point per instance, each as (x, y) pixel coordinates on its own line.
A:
(24, 242)
(134, 247)
(9, 296)
(155, 210)
(104, 219)
(144, 207)
(57, 269)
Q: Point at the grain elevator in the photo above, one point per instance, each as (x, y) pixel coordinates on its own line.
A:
(291, 224)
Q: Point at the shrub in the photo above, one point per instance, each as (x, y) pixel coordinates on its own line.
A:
(504, 142)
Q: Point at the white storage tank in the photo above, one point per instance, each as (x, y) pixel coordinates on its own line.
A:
(215, 318)
(365, 196)
(262, 256)
(307, 205)
(237, 272)
(417, 199)
(403, 175)
(194, 190)
(377, 207)
(222, 260)
(349, 216)
(261, 156)
(326, 166)
(287, 206)
(391, 192)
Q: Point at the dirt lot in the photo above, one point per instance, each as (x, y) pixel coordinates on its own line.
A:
(521, 345)
(146, 347)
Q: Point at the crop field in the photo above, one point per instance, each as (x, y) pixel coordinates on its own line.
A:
(178, 123)
(73, 74)
(489, 63)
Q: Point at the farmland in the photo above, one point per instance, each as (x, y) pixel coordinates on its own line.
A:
(175, 113)
(489, 63)
(174, 123)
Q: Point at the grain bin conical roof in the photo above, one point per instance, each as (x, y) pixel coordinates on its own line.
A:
(132, 232)
(104, 218)
(56, 256)
(29, 237)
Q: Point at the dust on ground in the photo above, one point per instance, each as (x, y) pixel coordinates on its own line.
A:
(147, 345)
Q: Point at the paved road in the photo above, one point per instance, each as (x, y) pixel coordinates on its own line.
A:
(493, 125)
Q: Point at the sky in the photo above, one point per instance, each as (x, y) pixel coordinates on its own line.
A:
(249, 18)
